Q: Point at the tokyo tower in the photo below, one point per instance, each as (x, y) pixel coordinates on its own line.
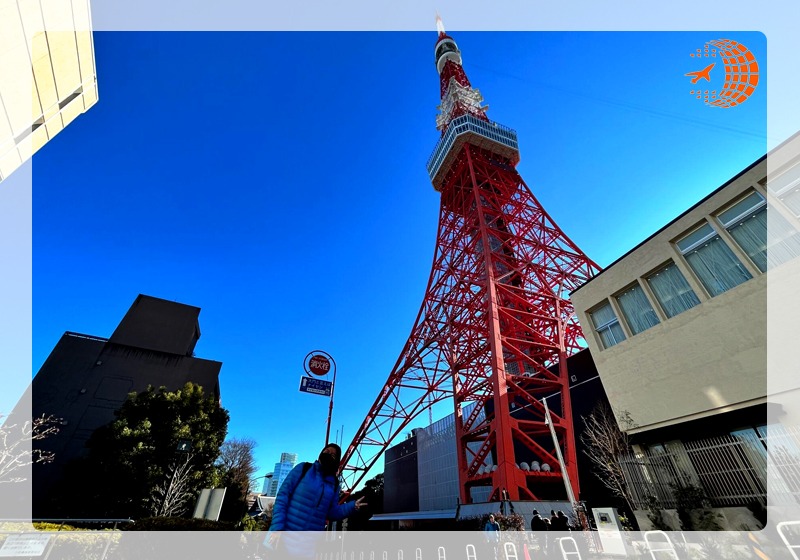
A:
(496, 325)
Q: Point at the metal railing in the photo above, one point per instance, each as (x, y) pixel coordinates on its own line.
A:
(469, 124)
(730, 469)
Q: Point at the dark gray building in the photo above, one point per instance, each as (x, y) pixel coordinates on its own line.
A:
(86, 378)
(401, 469)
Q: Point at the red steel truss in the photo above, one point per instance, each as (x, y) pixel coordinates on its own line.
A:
(496, 325)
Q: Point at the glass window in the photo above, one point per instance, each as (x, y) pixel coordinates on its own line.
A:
(747, 223)
(637, 309)
(712, 260)
(672, 290)
(607, 326)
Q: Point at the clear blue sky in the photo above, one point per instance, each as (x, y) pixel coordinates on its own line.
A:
(277, 181)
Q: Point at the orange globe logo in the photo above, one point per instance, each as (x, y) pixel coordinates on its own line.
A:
(741, 73)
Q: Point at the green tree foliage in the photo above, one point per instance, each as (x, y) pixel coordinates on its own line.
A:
(373, 496)
(135, 454)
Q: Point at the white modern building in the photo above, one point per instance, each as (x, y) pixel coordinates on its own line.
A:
(47, 74)
(677, 328)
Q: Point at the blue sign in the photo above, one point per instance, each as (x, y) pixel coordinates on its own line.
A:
(315, 386)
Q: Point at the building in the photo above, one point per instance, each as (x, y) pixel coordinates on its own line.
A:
(47, 47)
(86, 378)
(267, 482)
(282, 470)
(677, 328)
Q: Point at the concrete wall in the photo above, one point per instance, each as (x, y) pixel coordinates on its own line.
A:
(708, 359)
(45, 48)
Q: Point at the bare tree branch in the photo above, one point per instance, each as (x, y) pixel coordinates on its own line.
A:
(236, 461)
(171, 497)
(604, 444)
(17, 446)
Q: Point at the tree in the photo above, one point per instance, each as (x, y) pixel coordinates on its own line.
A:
(134, 460)
(605, 444)
(18, 446)
(373, 496)
(235, 467)
(172, 496)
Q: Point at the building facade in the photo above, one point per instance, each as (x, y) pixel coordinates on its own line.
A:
(282, 470)
(47, 48)
(86, 378)
(678, 329)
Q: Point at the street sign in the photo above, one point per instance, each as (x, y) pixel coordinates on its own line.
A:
(315, 386)
(26, 544)
(319, 365)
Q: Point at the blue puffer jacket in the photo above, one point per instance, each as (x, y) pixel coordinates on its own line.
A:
(304, 503)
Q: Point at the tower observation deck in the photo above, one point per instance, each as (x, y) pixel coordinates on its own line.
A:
(496, 324)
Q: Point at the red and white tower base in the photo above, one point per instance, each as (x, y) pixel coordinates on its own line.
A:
(496, 325)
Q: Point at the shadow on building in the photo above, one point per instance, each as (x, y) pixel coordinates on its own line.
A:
(87, 378)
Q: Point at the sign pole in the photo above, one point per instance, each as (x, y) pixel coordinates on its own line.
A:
(320, 363)
(330, 407)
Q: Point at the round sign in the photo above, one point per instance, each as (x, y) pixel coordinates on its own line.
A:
(319, 365)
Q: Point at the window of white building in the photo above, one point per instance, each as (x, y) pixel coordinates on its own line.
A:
(746, 221)
(637, 309)
(712, 260)
(672, 291)
(607, 325)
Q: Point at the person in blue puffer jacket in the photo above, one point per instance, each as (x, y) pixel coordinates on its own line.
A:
(307, 498)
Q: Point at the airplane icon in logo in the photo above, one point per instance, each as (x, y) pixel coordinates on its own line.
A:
(704, 73)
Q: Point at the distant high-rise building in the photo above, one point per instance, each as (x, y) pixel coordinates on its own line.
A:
(267, 482)
(47, 48)
(282, 470)
(86, 378)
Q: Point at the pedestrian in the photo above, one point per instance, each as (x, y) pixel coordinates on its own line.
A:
(539, 527)
(554, 522)
(563, 521)
(306, 500)
(537, 523)
(492, 532)
(492, 529)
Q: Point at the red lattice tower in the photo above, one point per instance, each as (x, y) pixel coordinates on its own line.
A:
(496, 325)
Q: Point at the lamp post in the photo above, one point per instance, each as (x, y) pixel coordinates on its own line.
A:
(270, 475)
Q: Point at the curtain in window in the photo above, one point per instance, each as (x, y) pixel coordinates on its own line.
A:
(751, 235)
(607, 326)
(716, 266)
(637, 310)
(783, 241)
(672, 290)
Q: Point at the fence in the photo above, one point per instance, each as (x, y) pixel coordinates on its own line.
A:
(731, 469)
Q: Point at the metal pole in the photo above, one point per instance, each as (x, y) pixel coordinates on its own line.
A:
(564, 474)
(330, 408)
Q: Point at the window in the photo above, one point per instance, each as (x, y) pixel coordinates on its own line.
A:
(746, 221)
(637, 309)
(607, 326)
(712, 260)
(672, 291)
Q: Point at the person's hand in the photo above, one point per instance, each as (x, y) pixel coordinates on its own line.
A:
(361, 503)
